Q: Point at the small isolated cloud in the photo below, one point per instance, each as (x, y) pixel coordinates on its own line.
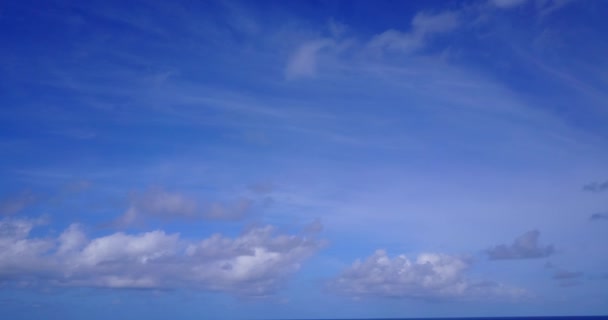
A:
(563, 275)
(159, 203)
(566, 279)
(424, 25)
(78, 186)
(262, 188)
(525, 246)
(303, 62)
(256, 263)
(430, 276)
(599, 216)
(14, 204)
(596, 186)
(314, 227)
(507, 4)
(234, 210)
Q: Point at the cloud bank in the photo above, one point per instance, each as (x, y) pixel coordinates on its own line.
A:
(256, 263)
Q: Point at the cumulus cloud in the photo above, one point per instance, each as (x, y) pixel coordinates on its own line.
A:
(20, 255)
(156, 202)
(525, 246)
(429, 276)
(256, 263)
(596, 186)
(599, 216)
(424, 26)
(16, 203)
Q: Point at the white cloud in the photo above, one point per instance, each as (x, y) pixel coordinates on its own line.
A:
(120, 247)
(258, 262)
(257, 258)
(429, 276)
(424, 25)
(20, 253)
(73, 238)
(303, 62)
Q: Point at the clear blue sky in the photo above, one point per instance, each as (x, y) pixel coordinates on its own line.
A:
(303, 159)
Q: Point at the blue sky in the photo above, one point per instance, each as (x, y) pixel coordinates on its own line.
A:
(311, 159)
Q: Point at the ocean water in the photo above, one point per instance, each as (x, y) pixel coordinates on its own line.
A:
(491, 318)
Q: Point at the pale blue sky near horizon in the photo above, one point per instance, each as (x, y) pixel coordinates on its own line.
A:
(303, 159)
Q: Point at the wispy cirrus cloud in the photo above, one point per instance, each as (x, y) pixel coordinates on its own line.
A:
(423, 27)
(543, 7)
(303, 62)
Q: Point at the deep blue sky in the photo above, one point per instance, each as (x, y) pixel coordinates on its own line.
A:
(309, 159)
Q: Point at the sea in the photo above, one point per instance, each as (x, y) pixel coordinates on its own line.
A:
(487, 318)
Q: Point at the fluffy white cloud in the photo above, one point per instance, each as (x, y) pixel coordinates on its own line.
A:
(429, 276)
(20, 253)
(258, 262)
(257, 258)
